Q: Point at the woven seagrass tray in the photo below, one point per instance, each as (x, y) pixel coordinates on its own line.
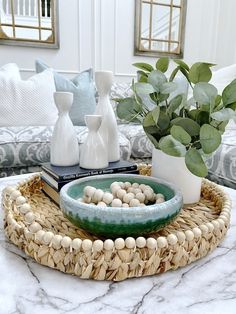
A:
(36, 225)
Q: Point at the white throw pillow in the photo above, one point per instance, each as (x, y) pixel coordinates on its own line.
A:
(26, 102)
(222, 77)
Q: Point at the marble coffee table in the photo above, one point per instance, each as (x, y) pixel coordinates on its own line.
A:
(207, 286)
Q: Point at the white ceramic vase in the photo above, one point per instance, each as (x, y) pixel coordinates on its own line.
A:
(93, 153)
(108, 129)
(174, 170)
(64, 143)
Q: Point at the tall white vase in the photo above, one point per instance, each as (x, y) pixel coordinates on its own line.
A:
(174, 170)
(93, 153)
(108, 129)
(64, 143)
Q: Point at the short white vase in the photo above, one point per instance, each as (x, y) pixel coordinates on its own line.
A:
(64, 143)
(108, 129)
(93, 153)
(174, 170)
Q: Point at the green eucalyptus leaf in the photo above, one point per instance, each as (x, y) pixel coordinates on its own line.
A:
(147, 101)
(155, 114)
(143, 66)
(224, 114)
(210, 138)
(204, 92)
(162, 97)
(202, 117)
(172, 147)
(192, 114)
(128, 109)
(182, 64)
(143, 88)
(190, 126)
(149, 124)
(174, 104)
(168, 87)
(163, 121)
(173, 74)
(162, 64)
(180, 134)
(153, 139)
(186, 74)
(200, 72)
(232, 106)
(195, 163)
(156, 78)
(218, 100)
(229, 93)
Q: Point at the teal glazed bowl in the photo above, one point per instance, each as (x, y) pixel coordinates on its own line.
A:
(115, 222)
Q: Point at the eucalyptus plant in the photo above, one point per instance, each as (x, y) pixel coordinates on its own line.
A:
(179, 126)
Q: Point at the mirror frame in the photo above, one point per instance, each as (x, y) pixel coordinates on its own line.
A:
(36, 43)
(137, 34)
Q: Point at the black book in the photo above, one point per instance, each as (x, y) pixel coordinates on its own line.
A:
(76, 172)
(57, 185)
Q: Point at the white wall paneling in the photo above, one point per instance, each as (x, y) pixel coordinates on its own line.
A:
(100, 34)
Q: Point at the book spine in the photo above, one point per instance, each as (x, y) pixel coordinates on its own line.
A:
(97, 172)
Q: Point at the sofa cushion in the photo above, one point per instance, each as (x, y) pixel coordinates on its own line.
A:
(140, 145)
(83, 88)
(30, 146)
(26, 102)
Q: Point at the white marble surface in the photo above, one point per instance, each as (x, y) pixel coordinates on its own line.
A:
(207, 286)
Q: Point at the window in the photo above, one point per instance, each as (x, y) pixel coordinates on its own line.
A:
(159, 28)
(29, 22)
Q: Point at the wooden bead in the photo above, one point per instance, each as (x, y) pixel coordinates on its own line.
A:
(135, 185)
(140, 196)
(130, 242)
(29, 217)
(204, 228)
(87, 199)
(25, 208)
(121, 184)
(115, 189)
(181, 236)
(121, 193)
(128, 197)
(89, 191)
(134, 203)
(97, 196)
(127, 185)
(172, 239)
(116, 203)
(140, 242)
(142, 187)
(102, 204)
(119, 244)
(20, 200)
(108, 245)
(189, 235)
(87, 245)
(151, 243)
(136, 191)
(162, 242)
(125, 205)
(115, 183)
(107, 198)
(130, 190)
(34, 227)
(48, 237)
(160, 200)
(66, 242)
(148, 194)
(197, 232)
(76, 243)
(15, 194)
(159, 195)
(97, 246)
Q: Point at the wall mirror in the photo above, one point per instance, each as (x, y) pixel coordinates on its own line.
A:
(29, 23)
(159, 27)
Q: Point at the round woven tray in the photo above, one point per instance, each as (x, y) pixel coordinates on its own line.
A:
(37, 226)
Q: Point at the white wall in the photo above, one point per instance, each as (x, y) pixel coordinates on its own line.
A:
(99, 34)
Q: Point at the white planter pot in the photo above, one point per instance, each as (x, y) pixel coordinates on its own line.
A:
(174, 170)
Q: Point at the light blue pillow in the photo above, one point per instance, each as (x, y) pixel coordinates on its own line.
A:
(83, 88)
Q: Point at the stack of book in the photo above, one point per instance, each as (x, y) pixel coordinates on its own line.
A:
(55, 177)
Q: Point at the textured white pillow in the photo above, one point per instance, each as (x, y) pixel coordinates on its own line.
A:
(26, 102)
(222, 77)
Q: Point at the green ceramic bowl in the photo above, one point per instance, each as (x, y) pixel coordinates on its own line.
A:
(117, 221)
